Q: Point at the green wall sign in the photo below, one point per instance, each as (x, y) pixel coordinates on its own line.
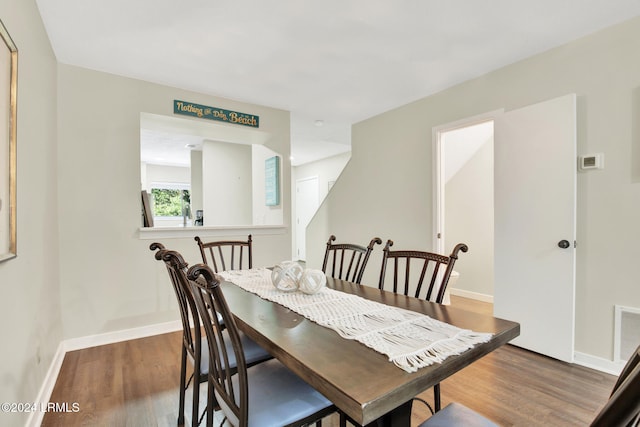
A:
(213, 113)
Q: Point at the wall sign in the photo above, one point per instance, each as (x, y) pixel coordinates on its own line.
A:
(272, 181)
(213, 113)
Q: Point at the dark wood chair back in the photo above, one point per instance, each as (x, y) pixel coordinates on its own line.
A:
(230, 391)
(623, 407)
(227, 255)
(177, 268)
(420, 274)
(278, 396)
(191, 339)
(417, 273)
(348, 260)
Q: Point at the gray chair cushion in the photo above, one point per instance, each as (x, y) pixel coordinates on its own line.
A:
(279, 397)
(456, 414)
(252, 352)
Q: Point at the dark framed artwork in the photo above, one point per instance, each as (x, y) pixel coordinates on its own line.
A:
(8, 145)
(147, 212)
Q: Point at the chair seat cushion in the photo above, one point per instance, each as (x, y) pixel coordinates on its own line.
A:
(279, 397)
(456, 414)
(253, 353)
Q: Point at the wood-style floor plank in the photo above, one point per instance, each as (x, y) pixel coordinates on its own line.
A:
(135, 383)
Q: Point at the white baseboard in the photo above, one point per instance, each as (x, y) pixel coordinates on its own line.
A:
(598, 363)
(123, 335)
(35, 418)
(471, 295)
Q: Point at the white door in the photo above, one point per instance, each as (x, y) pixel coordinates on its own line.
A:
(535, 198)
(306, 206)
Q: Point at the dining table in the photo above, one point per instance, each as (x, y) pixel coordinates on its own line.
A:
(361, 382)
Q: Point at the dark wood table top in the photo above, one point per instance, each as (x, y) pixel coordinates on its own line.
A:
(357, 379)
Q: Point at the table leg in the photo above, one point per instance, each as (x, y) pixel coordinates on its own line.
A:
(399, 417)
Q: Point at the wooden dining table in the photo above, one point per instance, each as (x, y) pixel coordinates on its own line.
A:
(361, 382)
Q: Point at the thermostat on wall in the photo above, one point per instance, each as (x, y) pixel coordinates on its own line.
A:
(591, 161)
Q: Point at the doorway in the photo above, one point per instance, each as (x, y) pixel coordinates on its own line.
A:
(534, 203)
(307, 201)
(466, 203)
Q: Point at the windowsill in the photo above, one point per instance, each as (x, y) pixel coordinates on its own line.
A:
(219, 231)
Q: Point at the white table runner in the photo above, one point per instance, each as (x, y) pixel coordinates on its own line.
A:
(411, 340)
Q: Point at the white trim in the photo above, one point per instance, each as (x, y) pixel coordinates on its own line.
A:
(438, 191)
(617, 329)
(122, 335)
(148, 233)
(49, 382)
(438, 170)
(471, 295)
(35, 417)
(598, 363)
(163, 185)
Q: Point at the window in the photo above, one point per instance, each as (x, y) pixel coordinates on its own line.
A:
(171, 201)
(167, 202)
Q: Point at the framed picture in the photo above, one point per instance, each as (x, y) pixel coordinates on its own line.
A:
(8, 145)
(272, 181)
(147, 211)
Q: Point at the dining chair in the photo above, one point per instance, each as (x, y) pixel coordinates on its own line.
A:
(436, 268)
(224, 255)
(420, 274)
(348, 260)
(621, 410)
(194, 347)
(268, 394)
(456, 414)
(623, 406)
(426, 265)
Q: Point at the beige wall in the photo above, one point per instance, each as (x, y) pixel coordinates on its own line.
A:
(386, 188)
(226, 182)
(469, 219)
(81, 268)
(196, 182)
(326, 170)
(109, 278)
(164, 174)
(29, 284)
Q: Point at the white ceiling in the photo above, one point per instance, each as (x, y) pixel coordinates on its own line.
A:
(332, 60)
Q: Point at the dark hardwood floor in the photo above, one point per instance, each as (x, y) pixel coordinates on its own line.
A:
(135, 383)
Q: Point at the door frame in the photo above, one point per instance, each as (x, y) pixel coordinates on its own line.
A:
(438, 172)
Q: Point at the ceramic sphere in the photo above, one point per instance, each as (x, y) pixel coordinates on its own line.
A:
(312, 281)
(286, 275)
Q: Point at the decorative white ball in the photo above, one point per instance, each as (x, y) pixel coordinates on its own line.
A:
(312, 281)
(286, 275)
(275, 273)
